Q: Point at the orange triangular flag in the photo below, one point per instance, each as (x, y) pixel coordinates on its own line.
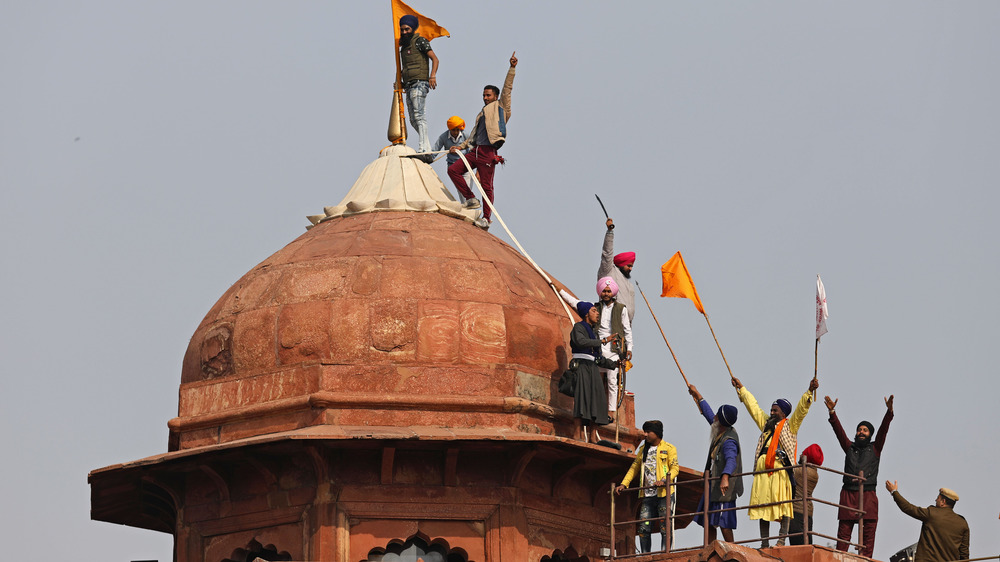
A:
(677, 282)
(427, 28)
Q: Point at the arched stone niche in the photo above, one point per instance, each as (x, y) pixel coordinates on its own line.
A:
(417, 547)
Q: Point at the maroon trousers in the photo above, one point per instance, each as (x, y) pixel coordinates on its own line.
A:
(484, 159)
(846, 529)
(848, 518)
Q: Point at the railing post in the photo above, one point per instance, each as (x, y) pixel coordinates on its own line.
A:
(861, 516)
(704, 506)
(668, 519)
(805, 500)
(612, 557)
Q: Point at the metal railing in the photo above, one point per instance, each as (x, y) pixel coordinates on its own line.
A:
(706, 483)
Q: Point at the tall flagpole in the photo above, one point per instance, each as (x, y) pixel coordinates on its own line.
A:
(661, 332)
(719, 346)
(816, 365)
(821, 316)
(399, 81)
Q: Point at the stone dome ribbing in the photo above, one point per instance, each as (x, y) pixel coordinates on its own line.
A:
(388, 319)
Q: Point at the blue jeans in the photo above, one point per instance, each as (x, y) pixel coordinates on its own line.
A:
(650, 508)
(416, 96)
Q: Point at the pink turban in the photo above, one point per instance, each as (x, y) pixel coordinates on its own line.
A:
(625, 258)
(607, 282)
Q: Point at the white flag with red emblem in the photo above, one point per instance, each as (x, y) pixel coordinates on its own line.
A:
(821, 311)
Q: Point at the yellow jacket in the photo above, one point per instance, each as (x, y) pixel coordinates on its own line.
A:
(666, 467)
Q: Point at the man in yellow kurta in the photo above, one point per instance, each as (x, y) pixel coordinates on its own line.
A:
(777, 447)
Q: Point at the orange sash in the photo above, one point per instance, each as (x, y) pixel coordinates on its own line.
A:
(772, 447)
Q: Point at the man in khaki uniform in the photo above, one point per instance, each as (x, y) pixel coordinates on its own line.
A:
(944, 536)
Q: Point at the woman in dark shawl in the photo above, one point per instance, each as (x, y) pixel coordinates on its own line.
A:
(590, 402)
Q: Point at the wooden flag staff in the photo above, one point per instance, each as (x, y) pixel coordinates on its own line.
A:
(821, 316)
(661, 332)
(681, 285)
(816, 365)
(720, 347)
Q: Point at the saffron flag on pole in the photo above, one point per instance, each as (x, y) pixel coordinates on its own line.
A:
(426, 27)
(677, 282)
(821, 311)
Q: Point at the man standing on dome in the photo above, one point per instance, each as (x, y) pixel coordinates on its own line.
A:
(488, 135)
(776, 448)
(862, 455)
(454, 135)
(418, 76)
(619, 268)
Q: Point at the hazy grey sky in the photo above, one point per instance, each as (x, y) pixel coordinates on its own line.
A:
(153, 152)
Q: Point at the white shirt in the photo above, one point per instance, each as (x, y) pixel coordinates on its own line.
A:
(604, 330)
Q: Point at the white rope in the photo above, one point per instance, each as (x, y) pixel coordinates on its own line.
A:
(486, 201)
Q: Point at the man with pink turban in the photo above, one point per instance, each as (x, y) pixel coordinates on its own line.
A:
(613, 320)
(619, 268)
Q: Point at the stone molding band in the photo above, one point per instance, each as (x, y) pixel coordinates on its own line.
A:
(341, 400)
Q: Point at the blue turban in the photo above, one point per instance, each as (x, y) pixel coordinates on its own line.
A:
(785, 406)
(409, 20)
(727, 415)
(583, 307)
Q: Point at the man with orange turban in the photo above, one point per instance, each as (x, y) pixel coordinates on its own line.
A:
(862, 455)
(453, 135)
(619, 268)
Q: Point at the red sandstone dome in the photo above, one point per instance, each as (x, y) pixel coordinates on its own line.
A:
(401, 319)
(386, 379)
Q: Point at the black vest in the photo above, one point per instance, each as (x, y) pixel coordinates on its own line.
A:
(717, 461)
(413, 63)
(617, 326)
(865, 459)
